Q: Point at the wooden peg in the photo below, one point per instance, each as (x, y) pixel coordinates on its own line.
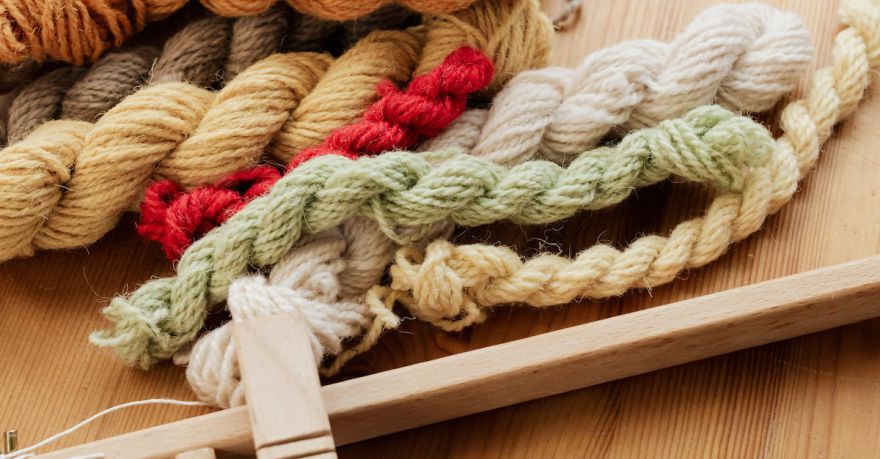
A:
(283, 389)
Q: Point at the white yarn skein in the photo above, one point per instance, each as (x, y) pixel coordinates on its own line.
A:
(322, 278)
(745, 57)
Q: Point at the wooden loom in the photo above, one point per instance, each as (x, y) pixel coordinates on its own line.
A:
(289, 415)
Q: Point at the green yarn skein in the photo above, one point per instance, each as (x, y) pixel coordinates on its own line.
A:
(401, 189)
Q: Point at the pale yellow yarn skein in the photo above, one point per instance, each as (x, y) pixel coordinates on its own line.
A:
(452, 286)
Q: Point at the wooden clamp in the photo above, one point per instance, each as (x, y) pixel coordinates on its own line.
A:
(283, 390)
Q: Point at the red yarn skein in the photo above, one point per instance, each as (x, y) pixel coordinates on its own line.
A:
(398, 120)
(401, 118)
(175, 218)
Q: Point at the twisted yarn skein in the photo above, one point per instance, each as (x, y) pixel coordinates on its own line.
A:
(216, 380)
(745, 56)
(402, 189)
(452, 286)
(323, 278)
(72, 31)
(332, 273)
(205, 52)
(398, 120)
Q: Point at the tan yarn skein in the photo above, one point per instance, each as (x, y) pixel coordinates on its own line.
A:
(202, 52)
(445, 281)
(158, 132)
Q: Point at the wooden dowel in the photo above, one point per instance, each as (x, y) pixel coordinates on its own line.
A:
(550, 363)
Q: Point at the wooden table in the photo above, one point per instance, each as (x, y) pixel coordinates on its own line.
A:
(814, 396)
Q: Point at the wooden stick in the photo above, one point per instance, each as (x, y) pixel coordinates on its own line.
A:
(550, 363)
(282, 388)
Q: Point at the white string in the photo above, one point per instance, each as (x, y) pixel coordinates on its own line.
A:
(29, 451)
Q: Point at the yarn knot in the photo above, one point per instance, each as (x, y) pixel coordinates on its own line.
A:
(438, 294)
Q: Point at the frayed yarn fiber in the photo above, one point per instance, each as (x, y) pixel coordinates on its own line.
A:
(709, 145)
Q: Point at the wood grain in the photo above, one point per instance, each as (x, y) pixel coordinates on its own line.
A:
(813, 396)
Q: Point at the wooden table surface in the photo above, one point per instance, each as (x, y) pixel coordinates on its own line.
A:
(816, 396)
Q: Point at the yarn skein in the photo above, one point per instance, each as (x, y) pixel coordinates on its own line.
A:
(202, 53)
(398, 120)
(452, 287)
(80, 31)
(396, 189)
(70, 31)
(744, 56)
(194, 137)
(324, 278)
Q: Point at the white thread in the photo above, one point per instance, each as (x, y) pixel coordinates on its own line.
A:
(745, 56)
(28, 452)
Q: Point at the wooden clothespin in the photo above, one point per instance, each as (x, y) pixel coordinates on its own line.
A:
(283, 390)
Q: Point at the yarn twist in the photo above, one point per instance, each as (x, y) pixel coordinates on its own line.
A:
(745, 56)
(322, 278)
(452, 286)
(398, 120)
(194, 137)
(402, 189)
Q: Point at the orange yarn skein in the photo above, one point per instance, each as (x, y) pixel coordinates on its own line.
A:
(74, 31)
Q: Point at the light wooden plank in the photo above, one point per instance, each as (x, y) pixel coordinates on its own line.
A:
(577, 357)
